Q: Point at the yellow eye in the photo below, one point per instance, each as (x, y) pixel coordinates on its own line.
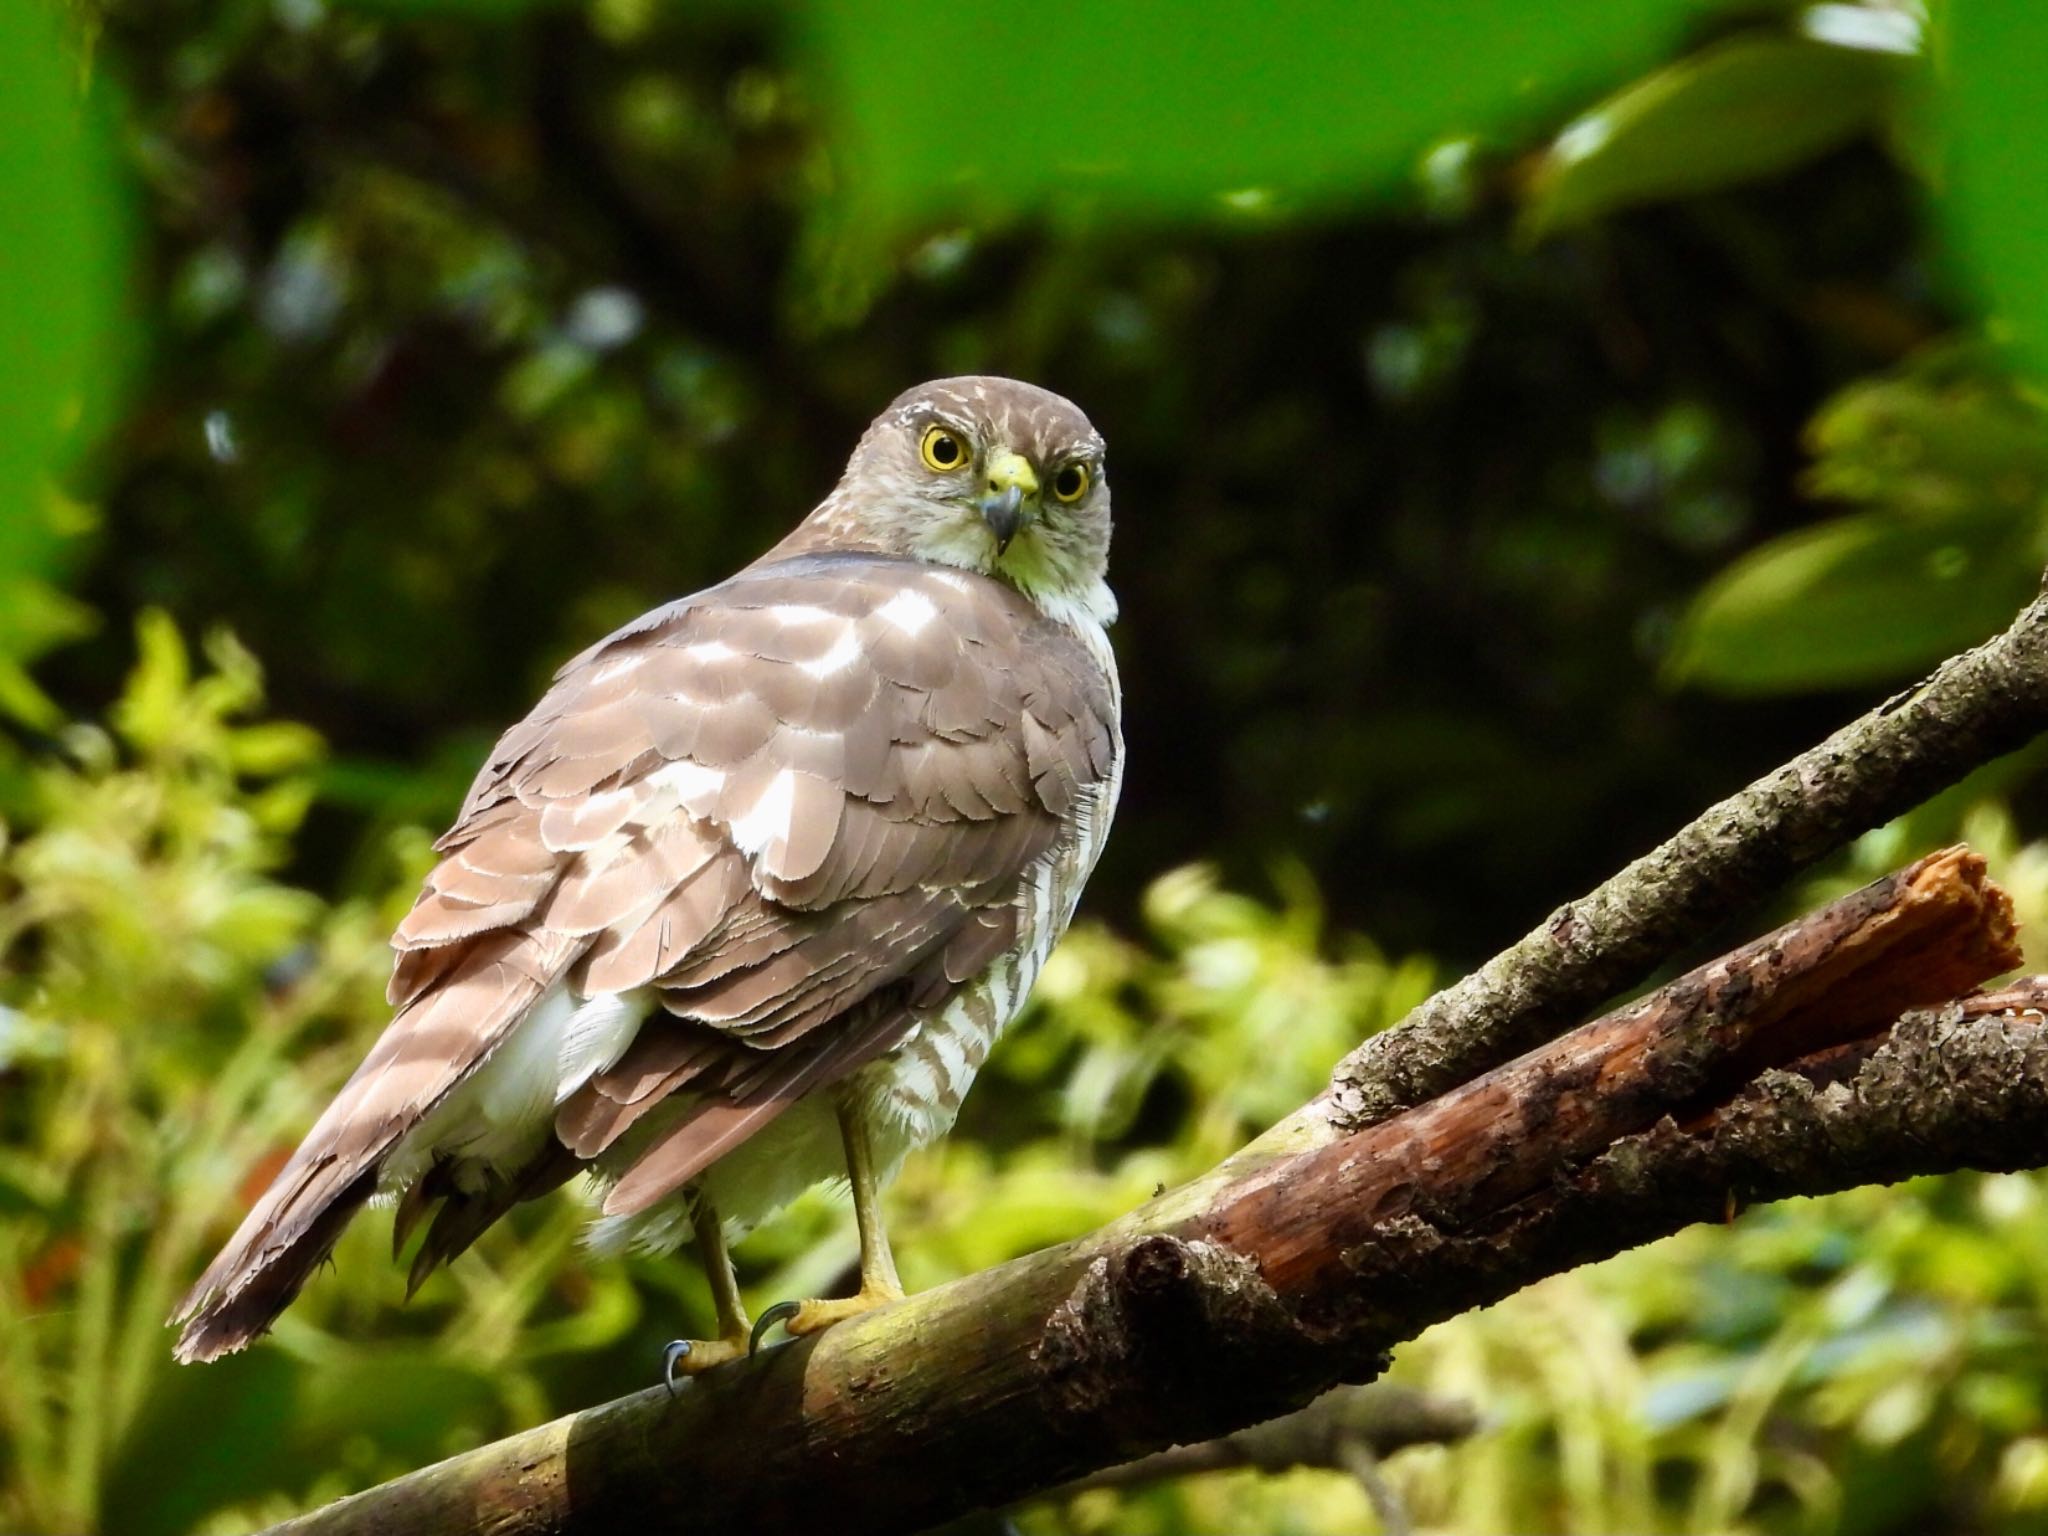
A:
(943, 450)
(1071, 483)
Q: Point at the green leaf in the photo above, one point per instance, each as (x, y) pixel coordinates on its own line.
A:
(1948, 435)
(34, 617)
(59, 272)
(273, 747)
(1753, 106)
(154, 703)
(1860, 599)
(1173, 108)
(1997, 116)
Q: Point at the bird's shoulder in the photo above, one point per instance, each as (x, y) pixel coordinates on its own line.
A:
(845, 667)
(846, 725)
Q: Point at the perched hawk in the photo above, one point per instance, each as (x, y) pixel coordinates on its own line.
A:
(745, 901)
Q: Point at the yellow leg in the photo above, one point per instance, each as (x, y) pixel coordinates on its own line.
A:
(689, 1357)
(879, 1283)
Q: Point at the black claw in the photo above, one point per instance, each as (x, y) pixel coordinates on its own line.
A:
(781, 1312)
(673, 1354)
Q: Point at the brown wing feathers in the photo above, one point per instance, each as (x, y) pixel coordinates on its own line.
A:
(435, 1041)
(778, 803)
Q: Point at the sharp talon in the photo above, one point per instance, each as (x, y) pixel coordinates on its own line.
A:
(673, 1354)
(781, 1312)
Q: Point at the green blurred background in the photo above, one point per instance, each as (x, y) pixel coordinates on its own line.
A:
(1528, 422)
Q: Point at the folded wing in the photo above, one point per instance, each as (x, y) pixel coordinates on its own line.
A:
(791, 812)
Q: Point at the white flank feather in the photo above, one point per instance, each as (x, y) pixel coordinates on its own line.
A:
(497, 1118)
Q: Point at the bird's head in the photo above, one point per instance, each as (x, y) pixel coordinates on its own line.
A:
(989, 475)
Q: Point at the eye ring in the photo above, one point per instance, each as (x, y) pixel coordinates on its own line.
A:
(1071, 483)
(943, 450)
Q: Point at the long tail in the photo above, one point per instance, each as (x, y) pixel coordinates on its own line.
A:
(293, 1226)
(436, 1040)
(263, 1267)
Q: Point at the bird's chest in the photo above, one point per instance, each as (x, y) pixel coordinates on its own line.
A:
(918, 1087)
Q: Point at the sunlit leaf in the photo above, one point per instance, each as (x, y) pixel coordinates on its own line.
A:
(1750, 107)
(34, 617)
(155, 703)
(273, 747)
(1861, 599)
(1947, 434)
(1234, 108)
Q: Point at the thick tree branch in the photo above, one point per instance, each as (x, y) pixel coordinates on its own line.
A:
(1973, 708)
(1776, 1070)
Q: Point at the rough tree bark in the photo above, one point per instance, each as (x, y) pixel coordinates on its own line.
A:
(1846, 1048)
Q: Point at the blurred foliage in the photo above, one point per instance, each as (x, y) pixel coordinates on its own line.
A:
(60, 274)
(173, 1016)
(57, 265)
(1755, 105)
(1522, 435)
(1996, 161)
(1163, 116)
(1946, 459)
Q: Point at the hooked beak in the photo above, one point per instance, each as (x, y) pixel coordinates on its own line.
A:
(1011, 496)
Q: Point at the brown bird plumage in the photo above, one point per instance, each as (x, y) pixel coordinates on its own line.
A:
(812, 829)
